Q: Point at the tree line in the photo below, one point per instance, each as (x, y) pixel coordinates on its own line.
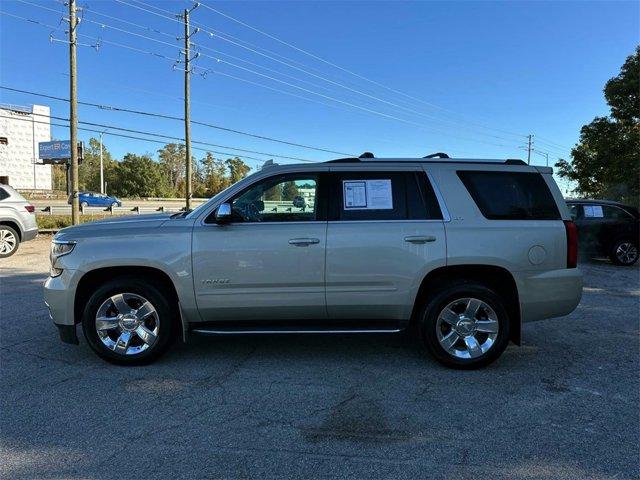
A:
(138, 176)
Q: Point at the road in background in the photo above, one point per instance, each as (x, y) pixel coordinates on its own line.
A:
(562, 406)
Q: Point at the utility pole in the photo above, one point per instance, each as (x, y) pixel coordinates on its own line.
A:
(73, 112)
(101, 165)
(187, 100)
(530, 137)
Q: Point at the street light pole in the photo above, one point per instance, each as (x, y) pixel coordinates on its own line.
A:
(101, 164)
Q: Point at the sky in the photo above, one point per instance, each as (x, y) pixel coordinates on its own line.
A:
(399, 79)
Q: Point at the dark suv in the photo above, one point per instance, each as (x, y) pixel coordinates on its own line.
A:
(606, 228)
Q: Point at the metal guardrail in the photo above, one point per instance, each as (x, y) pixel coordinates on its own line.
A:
(137, 209)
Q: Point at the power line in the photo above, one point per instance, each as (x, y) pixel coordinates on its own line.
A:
(171, 117)
(306, 71)
(422, 126)
(128, 136)
(368, 110)
(140, 132)
(344, 69)
(557, 146)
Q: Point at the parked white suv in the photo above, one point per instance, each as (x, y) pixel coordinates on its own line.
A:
(17, 221)
(462, 250)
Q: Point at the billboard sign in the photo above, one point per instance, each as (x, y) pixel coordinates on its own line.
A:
(58, 150)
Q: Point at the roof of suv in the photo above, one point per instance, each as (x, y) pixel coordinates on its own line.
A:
(593, 200)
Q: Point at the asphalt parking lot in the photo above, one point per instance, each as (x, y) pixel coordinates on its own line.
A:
(564, 405)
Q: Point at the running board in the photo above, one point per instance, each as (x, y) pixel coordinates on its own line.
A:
(239, 331)
(296, 327)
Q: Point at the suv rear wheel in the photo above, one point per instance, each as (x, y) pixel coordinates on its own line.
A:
(9, 241)
(624, 252)
(465, 325)
(128, 321)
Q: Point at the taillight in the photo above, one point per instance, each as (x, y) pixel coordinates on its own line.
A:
(30, 208)
(572, 244)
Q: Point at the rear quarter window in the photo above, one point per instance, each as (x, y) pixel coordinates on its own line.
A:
(510, 195)
(3, 194)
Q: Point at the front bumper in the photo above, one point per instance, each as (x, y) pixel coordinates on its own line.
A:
(59, 298)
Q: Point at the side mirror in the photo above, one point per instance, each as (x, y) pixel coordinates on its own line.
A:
(223, 213)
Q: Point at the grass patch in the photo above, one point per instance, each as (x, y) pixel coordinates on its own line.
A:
(46, 222)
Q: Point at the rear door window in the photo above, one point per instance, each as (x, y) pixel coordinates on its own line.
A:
(510, 195)
(382, 195)
(615, 213)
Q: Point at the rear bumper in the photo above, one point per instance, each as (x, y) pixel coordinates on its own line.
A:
(29, 234)
(550, 294)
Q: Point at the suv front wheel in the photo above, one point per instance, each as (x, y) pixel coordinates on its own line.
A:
(465, 325)
(128, 321)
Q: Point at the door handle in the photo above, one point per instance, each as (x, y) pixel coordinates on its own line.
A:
(420, 239)
(303, 242)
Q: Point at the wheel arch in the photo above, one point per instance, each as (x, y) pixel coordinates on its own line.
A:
(13, 224)
(91, 279)
(497, 278)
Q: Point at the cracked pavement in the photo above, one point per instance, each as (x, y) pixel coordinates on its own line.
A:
(563, 405)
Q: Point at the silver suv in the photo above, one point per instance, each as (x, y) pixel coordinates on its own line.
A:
(461, 252)
(17, 221)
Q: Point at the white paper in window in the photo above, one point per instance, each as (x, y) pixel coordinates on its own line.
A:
(593, 211)
(355, 194)
(367, 194)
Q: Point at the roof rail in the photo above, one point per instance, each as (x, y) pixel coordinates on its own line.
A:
(268, 164)
(439, 157)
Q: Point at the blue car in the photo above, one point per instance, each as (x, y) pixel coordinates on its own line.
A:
(93, 199)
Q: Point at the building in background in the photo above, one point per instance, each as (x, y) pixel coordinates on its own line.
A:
(21, 128)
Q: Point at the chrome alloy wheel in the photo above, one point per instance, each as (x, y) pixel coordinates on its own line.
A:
(7, 241)
(127, 323)
(626, 253)
(467, 328)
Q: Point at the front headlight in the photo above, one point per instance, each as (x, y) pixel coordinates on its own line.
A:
(59, 248)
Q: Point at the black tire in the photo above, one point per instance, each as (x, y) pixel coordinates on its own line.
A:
(84, 204)
(435, 304)
(166, 314)
(16, 241)
(630, 255)
(114, 205)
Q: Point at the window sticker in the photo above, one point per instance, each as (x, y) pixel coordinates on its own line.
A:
(593, 211)
(355, 194)
(367, 194)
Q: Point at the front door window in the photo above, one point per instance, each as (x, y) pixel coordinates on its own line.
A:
(284, 198)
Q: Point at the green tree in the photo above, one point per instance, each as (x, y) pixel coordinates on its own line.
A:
(237, 169)
(214, 173)
(606, 161)
(171, 159)
(138, 176)
(89, 170)
(289, 191)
